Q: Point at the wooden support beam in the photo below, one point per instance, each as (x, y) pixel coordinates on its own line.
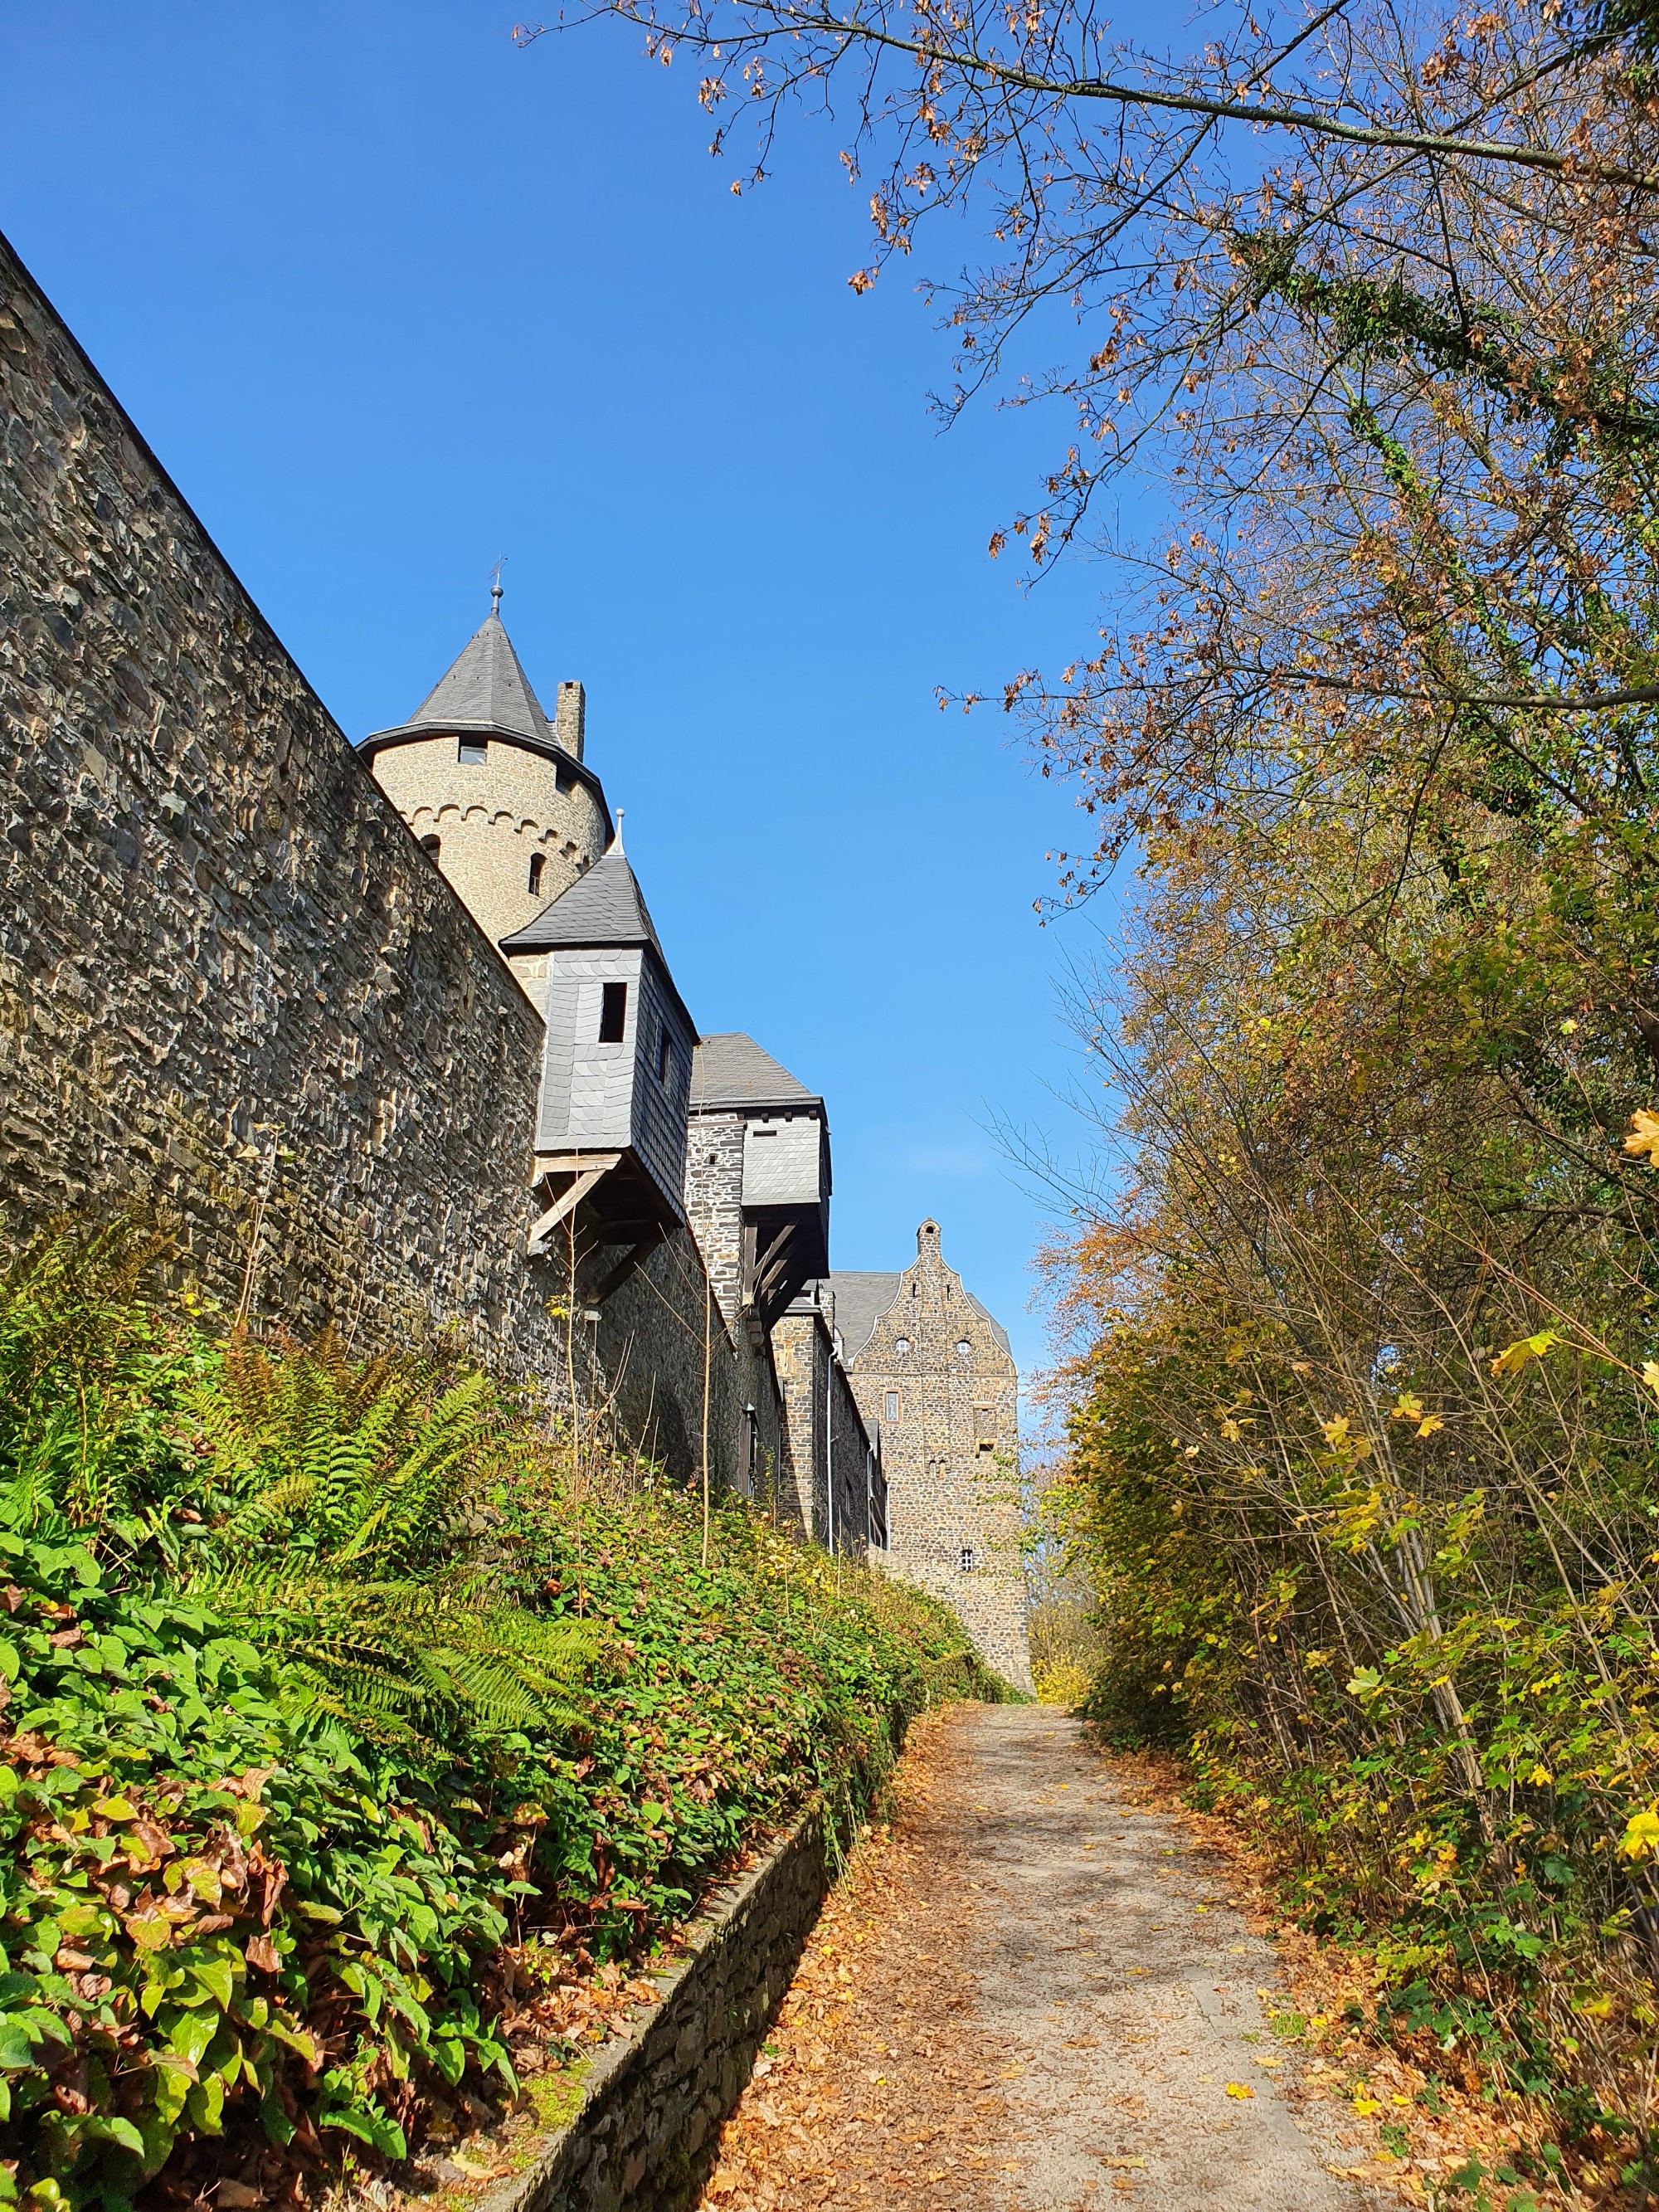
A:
(624, 1267)
(586, 1168)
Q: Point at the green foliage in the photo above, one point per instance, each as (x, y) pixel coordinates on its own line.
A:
(322, 1681)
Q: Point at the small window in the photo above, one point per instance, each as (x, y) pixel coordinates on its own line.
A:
(970, 1558)
(892, 1405)
(664, 1053)
(537, 862)
(903, 1343)
(613, 1013)
(963, 1348)
(431, 846)
(562, 778)
(472, 752)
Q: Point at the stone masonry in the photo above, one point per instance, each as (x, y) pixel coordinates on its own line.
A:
(229, 980)
(932, 1371)
(654, 2100)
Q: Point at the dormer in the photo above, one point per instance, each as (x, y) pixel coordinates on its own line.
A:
(616, 1067)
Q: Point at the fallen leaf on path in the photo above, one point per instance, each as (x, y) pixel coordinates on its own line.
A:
(1240, 2089)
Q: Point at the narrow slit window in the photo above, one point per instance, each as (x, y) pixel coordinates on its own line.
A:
(431, 846)
(613, 1013)
(537, 862)
(970, 1558)
(472, 752)
(664, 1053)
(892, 1405)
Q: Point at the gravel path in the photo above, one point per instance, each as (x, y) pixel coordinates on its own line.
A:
(1028, 1992)
(1119, 1984)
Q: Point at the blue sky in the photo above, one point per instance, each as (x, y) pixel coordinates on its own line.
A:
(390, 297)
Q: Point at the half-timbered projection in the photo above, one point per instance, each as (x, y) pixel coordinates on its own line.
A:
(610, 1129)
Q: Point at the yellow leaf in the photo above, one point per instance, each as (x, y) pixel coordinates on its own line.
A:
(1240, 2089)
(1651, 1375)
(1641, 1837)
(1513, 1356)
(1336, 1432)
(1431, 1426)
(1644, 1134)
(1366, 2105)
(1407, 1408)
(1540, 1776)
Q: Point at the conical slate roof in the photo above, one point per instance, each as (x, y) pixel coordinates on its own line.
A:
(602, 908)
(485, 691)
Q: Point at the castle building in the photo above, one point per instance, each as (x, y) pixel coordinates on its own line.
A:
(878, 1413)
(388, 1037)
(936, 1382)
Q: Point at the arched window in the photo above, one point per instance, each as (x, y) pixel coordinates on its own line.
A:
(431, 846)
(537, 862)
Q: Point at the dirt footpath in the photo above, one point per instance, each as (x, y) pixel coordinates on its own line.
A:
(1029, 1991)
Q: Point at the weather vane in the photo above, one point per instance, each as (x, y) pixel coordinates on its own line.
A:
(496, 585)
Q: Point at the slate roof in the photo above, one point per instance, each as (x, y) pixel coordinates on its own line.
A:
(860, 1301)
(732, 1070)
(484, 689)
(485, 693)
(602, 908)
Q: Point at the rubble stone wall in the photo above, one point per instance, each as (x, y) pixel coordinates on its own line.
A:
(229, 979)
(951, 1448)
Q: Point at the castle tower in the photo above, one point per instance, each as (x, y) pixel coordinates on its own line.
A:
(935, 1379)
(498, 795)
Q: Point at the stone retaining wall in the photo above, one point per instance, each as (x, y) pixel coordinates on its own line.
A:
(655, 2099)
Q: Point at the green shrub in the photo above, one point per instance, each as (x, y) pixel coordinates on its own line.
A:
(323, 1681)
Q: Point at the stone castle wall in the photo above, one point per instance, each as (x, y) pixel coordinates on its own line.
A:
(713, 1201)
(650, 1341)
(827, 1490)
(231, 982)
(229, 979)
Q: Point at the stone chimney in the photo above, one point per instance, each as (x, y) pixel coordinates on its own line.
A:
(570, 713)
